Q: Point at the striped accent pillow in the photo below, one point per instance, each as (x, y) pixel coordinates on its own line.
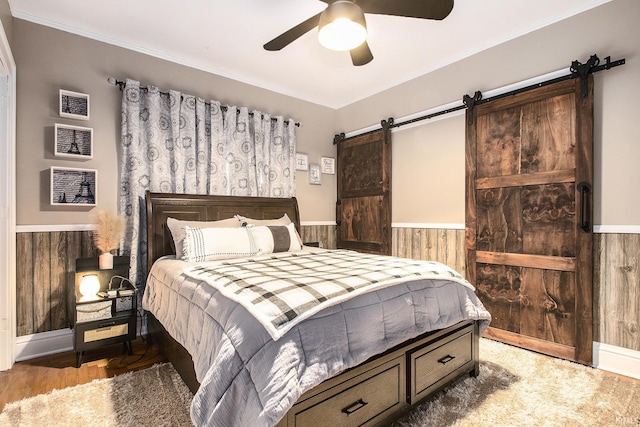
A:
(276, 238)
(206, 244)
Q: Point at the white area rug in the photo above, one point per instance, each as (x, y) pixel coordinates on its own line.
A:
(153, 397)
(515, 388)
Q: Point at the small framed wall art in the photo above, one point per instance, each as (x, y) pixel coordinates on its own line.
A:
(314, 174)
(74, 105)
(73, 141)
(328, 165)
(302, 162)
(71, 186)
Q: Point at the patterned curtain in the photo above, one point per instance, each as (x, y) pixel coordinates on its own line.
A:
(177, 143)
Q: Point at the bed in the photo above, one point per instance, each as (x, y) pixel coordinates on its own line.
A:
(364, 360)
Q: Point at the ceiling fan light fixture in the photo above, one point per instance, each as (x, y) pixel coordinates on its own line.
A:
(342, 26)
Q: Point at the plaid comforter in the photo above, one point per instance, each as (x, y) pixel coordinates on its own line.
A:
(280, 290)
(249, 379)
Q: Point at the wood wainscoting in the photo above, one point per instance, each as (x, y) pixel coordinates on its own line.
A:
(616, 292)
(46, 262)
(616, 278)
(430, 244)
(45, 278)
(325, 234)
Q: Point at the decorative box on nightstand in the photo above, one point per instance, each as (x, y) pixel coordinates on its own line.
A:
(109, 316)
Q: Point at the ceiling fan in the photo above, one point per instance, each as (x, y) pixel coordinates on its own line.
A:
(350, 15)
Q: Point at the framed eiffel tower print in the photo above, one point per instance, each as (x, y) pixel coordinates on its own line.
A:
(74, 105)
(71, 186)
(73, 141)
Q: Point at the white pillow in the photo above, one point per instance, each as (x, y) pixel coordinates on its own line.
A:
(176, 227)
(206, 244)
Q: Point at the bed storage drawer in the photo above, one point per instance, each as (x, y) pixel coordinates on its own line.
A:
(435, 364)
(364, 399)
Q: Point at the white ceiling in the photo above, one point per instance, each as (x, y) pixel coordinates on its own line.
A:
(226, 37)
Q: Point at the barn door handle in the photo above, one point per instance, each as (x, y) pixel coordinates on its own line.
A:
(338, 212)
(355, 407)
(584, 188)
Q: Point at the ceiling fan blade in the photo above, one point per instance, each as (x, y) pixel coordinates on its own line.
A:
(292, 34)
(424, 9)
(361, 55)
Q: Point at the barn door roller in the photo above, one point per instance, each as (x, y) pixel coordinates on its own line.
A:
(583, 70)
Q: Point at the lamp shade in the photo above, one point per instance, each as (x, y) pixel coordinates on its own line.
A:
(89, 285)
(342, 26)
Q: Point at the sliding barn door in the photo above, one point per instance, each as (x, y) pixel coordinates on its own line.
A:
(363, 208)
(529, 177)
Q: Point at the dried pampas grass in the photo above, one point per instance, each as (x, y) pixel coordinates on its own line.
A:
(108, 231)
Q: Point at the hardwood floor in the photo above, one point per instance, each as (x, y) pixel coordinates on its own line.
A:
(44, 374)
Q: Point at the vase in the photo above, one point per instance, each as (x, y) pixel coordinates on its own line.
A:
(105, 261)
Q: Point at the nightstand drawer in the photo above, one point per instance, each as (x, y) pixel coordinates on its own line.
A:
(366, 399)
(92, 334)
(93, 311)
(106, 332)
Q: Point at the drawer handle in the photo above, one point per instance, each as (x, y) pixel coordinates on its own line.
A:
(448, 358)
(355, 407)
(105, 324)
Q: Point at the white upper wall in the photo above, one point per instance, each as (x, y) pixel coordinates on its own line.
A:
(608, 30)
(431, 155)
(49, 59)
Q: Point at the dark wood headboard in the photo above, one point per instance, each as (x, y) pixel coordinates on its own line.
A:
(206, 208)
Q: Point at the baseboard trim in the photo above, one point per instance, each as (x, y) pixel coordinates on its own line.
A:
(43, 344)
(618, 360)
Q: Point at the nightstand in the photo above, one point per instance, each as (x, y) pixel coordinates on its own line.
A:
(108, 317)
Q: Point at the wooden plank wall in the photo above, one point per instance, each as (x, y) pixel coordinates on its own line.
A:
(45, 278)
(432, 244)
(325, 234)
(616, 292)
(46, 262)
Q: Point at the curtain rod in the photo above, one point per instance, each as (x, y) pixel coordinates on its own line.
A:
(121, 85)
(576, 70)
